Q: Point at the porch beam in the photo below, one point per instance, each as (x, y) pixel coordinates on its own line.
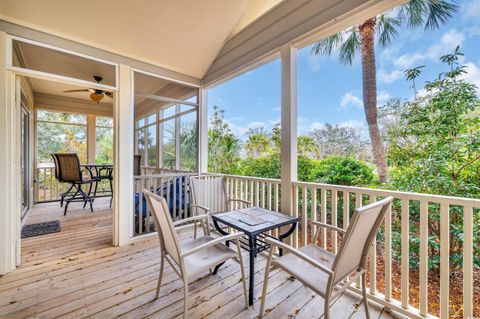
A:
(123, 164)
(288, 55)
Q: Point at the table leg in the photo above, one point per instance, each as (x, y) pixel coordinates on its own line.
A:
(285, 235)
(251, 279)
(221, 231)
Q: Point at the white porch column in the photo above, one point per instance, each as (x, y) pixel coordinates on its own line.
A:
(9, 192)
(123, 165)
(288, 57)
(202, 136)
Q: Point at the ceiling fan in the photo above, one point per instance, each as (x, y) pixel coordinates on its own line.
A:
(96, 95)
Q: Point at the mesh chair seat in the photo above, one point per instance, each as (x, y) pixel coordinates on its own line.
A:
(207, 258)
(304, 271)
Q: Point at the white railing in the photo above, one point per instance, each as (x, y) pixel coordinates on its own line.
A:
(174, 187)
(389, 271)
(48, 189)
(262, 192)
(328, 203)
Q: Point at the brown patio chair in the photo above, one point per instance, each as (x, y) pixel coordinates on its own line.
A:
(137, 159)
(209, 196)
(67, 170)
(189, 258)
(326, 273)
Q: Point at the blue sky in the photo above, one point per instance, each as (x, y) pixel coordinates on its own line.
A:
(331, 92)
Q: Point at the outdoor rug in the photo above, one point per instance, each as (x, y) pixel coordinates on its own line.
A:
(40, 229)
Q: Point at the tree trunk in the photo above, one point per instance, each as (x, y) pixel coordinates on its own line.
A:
(369, 78)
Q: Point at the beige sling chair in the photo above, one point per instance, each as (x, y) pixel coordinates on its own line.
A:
(209, 196)
(324, 272)
(190, 257)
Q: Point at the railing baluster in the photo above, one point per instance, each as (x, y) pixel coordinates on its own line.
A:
(257, 193)
(334, 220)
(304, 215)
(423, 255)
(388, 254)
(313, 229)
(358, 204)
(405, 253)
(295, 213)
(444, 260)
(346, 209)
(323, 217)
(372, 269)
(468, 262)
(276, 197)
(140, 206)
(269, 196)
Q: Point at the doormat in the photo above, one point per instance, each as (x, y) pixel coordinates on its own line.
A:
(40, 229)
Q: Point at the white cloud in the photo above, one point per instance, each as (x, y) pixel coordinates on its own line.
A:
(315, 61)
(383, 96)
(471, 10)
(389, 77)
(472, 75)
(349, 99)
(448, 42)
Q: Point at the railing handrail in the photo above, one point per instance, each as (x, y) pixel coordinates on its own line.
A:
(161, 175)
(251, 178)
(444, 199)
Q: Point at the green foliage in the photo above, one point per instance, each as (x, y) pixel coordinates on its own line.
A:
(342, 171)
(223, 145)
(435, 149)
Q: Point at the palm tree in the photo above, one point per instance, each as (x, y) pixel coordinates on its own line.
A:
(307, 146)
(428, 14)
(257, 144)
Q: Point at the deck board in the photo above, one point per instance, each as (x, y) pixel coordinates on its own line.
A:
(78, 274)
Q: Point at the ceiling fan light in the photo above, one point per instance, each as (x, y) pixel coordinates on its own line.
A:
(96, 97)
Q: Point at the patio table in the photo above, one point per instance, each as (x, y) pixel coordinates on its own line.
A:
(102, 172)
(255, 222)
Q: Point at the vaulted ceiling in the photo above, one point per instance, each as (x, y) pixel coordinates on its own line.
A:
(183, 35)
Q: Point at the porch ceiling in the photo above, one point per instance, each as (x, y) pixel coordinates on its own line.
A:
(184, 36)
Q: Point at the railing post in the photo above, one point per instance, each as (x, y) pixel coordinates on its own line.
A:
(288, 126)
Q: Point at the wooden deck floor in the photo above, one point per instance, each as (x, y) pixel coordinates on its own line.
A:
(76, 274)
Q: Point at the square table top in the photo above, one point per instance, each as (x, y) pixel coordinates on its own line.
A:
(254, 220)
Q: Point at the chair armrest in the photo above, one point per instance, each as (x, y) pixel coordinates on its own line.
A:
(299, 254)
(206, 209)
(190, 219)
(331, 227)
(211, 243)
(246, 202)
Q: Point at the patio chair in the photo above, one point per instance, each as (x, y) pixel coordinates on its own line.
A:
(209, 196)
(67, 170)
(190, 257)
(137, 159)
(326, 273)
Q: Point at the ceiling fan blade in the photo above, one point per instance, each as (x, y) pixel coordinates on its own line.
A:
(109, 94)
(78, 90)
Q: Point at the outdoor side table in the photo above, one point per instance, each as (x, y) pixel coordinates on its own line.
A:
(255, 222)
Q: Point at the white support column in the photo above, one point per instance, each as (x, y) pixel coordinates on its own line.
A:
(202, 131)
(288, 56)
(91, 138)
(123, 165)
(177, 137)
(9, 192)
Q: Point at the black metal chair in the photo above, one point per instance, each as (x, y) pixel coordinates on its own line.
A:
(67, 170)
(137, 159)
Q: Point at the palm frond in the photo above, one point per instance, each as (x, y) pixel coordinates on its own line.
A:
(327, 45)
(350, 47)
(387, 28)
(427, 13)
(438, 12)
